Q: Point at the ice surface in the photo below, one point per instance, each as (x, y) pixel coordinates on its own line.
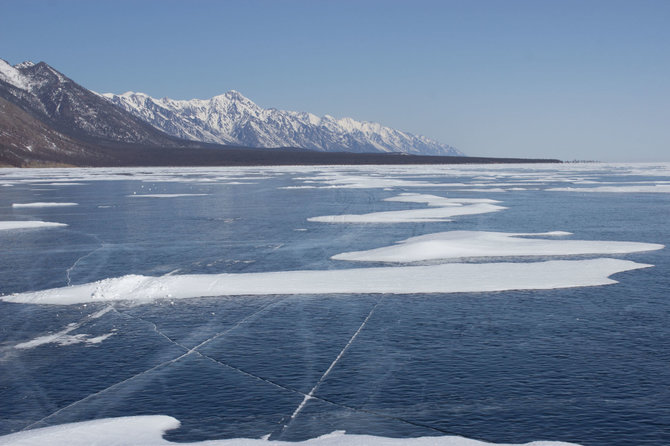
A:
(355, 176)
(42, 205)
(148, 430)
(444, 278)
(461, 244)
(439, 209)
(310, 395)
(28, 224)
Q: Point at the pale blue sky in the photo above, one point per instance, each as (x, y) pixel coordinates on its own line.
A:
(584, 79)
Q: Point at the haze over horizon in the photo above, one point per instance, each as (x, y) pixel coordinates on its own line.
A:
(553, 79)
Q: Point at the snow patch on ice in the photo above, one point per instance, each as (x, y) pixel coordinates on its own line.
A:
(64, 338)
(439, 209)
(340, 180)
(164, 195)
(148, 430)
(657, 188)
(33, 224)
(42, 205)
(465, 244)
(443, 278)
(63, 184)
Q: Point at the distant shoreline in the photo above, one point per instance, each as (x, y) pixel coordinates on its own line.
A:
(210, 157)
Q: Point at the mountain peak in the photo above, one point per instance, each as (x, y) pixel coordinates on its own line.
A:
(129, 94)
(235, 95)
(24, 64)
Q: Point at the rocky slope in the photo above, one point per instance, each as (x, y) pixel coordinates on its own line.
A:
(73, 110)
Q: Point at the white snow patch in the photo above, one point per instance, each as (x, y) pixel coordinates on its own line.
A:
(487, 190)
(39, 204)
(339, 180)
(440, 209)
(99, 339)
(464, 244)
(148, 430)
(444, 278)
(434, 200)
(13, 76)
(657, 188)
(164, 195)
(63, 338)
(8, 225)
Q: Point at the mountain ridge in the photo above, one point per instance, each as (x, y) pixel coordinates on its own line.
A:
(47, 119)
(232, 118)
(72, 109)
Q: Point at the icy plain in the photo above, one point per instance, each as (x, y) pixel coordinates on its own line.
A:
(448, 302)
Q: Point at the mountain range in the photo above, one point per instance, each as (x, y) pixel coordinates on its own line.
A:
(47, 119)
(231, 118)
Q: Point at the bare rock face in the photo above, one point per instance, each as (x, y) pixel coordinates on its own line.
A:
(73, 110)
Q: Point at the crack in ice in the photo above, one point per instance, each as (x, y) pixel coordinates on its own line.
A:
(156, 367)
(194, 350)
(154, 327)
(310, 395)
(76, 262)
(322, 399)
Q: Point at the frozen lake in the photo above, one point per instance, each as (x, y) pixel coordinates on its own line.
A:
(506, 304)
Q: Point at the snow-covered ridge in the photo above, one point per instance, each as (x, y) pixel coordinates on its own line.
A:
(24, 64)
(13, 76)
(231, 118)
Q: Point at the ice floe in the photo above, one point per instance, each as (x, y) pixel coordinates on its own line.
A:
(463, 244)
(443, 278)
(40, 204)
(28, 224)
(148, 430)
(439, 209)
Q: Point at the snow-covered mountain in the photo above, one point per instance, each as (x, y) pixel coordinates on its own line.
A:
(73, 110)
(231, 118)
